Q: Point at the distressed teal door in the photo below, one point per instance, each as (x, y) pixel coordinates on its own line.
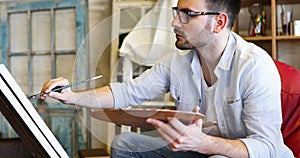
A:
(43, 40)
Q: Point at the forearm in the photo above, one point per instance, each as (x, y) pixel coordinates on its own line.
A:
(226, 147)
(97, 98)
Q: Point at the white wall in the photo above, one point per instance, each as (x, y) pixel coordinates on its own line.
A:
(99, 37)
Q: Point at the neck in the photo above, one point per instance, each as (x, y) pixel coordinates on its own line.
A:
(210, 56)
(212, 52)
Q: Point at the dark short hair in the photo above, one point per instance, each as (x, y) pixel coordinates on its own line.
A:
(230, 7)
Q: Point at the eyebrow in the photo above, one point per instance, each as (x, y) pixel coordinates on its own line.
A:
(187, 10)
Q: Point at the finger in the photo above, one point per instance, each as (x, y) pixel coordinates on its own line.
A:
(198, 123)
(65, 90)
(174, 146)
(43, 96)
(54, 83)
(165, 135)
(179, 147)
(47, 84)
(177, 125)
(58, 96)
(159, 126)
(166, 131)
(174, 140)
(196, 109)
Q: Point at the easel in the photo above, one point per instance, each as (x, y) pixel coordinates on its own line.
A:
(25, 120)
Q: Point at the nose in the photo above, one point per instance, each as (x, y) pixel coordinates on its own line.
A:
(176, 22)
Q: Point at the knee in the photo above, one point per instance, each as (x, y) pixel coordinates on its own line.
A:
(124, 140)
(121, 146)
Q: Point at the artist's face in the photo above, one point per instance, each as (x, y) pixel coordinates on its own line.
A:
(198, 31)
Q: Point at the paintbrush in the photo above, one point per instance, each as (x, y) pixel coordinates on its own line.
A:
(60, 88)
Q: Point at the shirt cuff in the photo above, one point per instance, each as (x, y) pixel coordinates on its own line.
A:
(255, 148)
(118, 95)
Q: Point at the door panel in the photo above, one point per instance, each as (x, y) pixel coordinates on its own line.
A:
(39, 42)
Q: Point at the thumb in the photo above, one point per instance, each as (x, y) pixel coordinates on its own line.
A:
(196, 109)
(56, 95)
(198, 123)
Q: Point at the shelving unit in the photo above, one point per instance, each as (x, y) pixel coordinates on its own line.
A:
(132, 11)
(125, 15)
(272, 42)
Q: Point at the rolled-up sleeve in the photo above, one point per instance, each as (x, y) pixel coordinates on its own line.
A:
(117, 90)
(147, 86)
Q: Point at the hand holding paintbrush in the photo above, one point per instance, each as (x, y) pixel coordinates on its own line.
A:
(60, 88)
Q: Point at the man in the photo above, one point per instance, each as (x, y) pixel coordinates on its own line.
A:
(232, 82)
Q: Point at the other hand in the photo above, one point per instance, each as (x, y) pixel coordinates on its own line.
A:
(65, 96)
(182, 137)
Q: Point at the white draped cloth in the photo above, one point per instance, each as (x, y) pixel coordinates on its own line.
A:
(152, 37)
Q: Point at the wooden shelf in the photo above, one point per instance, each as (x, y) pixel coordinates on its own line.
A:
(268, 38)
(287, 1)
(287, 37)
(258, 38)
(271, 42)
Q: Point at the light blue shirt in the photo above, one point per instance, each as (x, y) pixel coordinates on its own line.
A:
(247, 96)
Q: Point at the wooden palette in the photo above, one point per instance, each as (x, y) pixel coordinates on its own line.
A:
(138, 117)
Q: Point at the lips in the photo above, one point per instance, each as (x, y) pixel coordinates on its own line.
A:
(178, 36)
(178, 33)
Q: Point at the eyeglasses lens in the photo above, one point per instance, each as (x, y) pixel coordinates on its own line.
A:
(183, 17)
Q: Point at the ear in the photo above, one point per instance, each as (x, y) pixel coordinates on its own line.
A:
(221, 22)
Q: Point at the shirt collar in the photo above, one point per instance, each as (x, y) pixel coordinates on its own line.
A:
(225, 60)
(228, 54)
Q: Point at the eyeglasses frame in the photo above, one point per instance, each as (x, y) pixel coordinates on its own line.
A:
(190, 14)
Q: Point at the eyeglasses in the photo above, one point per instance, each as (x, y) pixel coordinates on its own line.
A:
(184, 15)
